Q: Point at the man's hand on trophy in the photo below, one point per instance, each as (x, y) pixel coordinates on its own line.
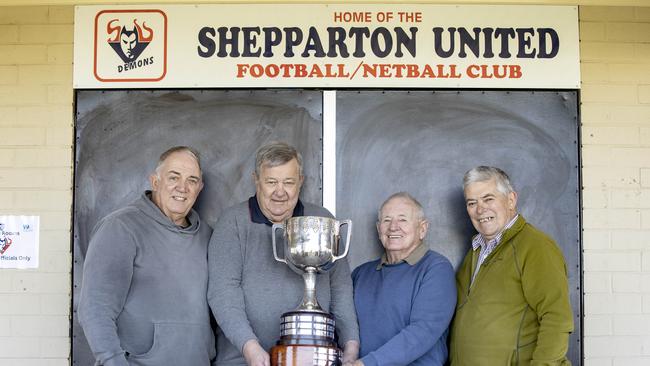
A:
(350, 353)
(255, 355)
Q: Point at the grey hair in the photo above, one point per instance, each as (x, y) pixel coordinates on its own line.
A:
(175, 149)
(276, 153)
(484, 173)
(419, 210)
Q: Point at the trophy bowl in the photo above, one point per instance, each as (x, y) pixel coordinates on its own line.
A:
(311, 242)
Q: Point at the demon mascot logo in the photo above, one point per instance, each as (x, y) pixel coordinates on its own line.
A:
(129, 43)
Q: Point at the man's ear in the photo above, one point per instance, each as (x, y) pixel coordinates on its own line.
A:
(512, 201)
(424, 227)
(154, 181)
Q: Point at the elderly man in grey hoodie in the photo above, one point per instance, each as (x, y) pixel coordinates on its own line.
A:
(143, 297)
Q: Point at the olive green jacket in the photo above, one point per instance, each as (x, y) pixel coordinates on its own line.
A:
(517, 312)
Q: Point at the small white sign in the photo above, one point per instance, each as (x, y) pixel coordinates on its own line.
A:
(19, 241)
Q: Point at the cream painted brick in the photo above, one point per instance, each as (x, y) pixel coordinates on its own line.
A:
(15, 347)
(596, 239)
(60, 136)
(55, 178)
(598, 113)
(20, 94)
(595, 198)
(23, 54)
(613, 346)
(54, 221)
(606, 51)
(8, 115)
(645, 177)
(611, 218)
(646, 346)
(55, 304)
(6, 200)
(644, 137)
(612, 261)
(56, 241)
(36, 362)
(43, 200)
(610, 93)
(646, 304)
(22, 136)
(594, 72)
(596, 155)
(7, 157)
(60, 54)
(45, 75)
(46, 34)
(590, 361)
(34, 282)
(61, 14)
(598, 325)
(626, 361)
(625, 324)
(55, 261)
(5, 330)
(630, 198)
(41, 326)
(630, 239)
(642, 51)
(606, 13)
(20, 304)
(8, 75)
(8, 34)
(55, 347)
(60, 94)
(644, 92)
(592, 31)
(597, 282)
(45, 157)
(610, 135)
(6, 281)
(23, 14)
(646, 261)
(598, 304)
(626, 282)
(637, 157)
(645, 219)
(629, 73)
(52, 115)
(645, 283)
(627, 32)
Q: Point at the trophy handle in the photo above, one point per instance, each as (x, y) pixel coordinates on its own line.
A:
(347, 239)
(275, 251)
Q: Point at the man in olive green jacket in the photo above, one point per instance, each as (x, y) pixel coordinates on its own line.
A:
(513, 301)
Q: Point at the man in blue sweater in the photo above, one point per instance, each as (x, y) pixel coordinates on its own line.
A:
(404, 300)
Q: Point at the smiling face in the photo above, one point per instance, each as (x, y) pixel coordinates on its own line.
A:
(488, 208)
(175, 186)
(400, 228)
(278, 189)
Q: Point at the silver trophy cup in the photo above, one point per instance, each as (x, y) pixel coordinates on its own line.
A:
(311, 246)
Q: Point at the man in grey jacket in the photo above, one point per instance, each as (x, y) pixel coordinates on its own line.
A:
(145, 275)
(248, 290)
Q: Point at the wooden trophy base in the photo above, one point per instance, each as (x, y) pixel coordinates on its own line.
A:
(305, 355)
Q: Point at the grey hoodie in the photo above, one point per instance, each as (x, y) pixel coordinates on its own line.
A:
(143, 297)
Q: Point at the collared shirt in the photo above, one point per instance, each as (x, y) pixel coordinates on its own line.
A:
(258, 217)
(488, 247)
(411, 259)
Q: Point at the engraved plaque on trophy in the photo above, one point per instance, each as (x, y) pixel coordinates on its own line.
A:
(307, 334)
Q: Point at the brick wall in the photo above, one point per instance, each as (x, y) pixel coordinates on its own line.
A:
(36, 139)
(615, 66)
(36, 119)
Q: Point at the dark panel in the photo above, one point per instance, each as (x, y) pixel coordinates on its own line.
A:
(120, 135)
(423, 142)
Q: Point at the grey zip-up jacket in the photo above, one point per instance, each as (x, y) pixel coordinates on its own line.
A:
(143, 297)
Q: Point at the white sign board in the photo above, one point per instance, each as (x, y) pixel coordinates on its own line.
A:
(326, 46)
(19, 241)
